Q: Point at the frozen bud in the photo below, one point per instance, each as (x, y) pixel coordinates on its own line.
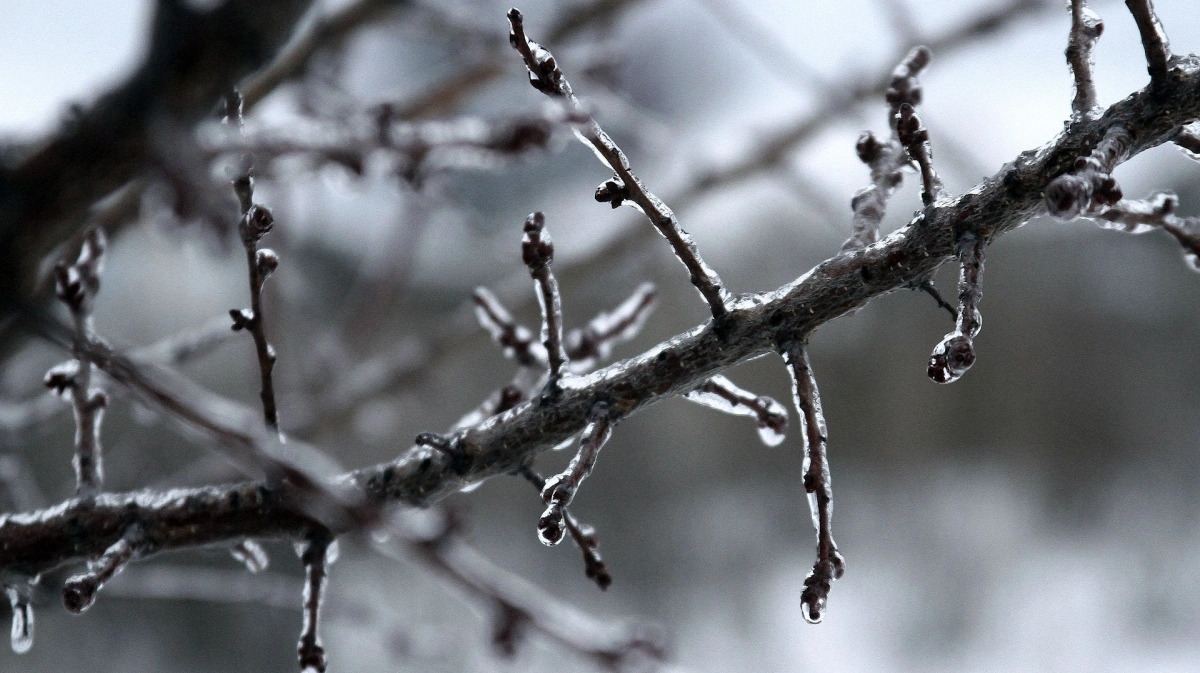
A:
(61, 377)
(537, 249)
(612, 191)
(868, 147)
(79, 593)
(243, 318)
(267, 262)
(256, 223)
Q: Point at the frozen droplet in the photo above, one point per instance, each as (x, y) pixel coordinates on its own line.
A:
(551, 526)
(22, 621)
(1193, 261)
(813, 610)
(332, 553)
(251, 554)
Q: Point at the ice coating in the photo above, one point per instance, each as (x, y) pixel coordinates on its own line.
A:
(251, 554)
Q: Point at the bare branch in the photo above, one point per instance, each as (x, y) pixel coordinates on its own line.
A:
(545, 76)
(77, 286)
(1086, 27)
(817, 483)
(1154, 40)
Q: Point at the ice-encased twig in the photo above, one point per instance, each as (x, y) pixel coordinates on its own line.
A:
(22, 616)
(817, 483)
(517, 340)
(1158, 211)
(1154, 40)
(547, 77)
(721, 394)
(316, 558)
(76, 287)
(537, 251)
(955, 354)
(1090, 187)
(559, 490)
(79, 592)
(583, 534)
(593, 343)
(1086, 27)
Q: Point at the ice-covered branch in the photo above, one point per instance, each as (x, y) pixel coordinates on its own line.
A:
(817, 483)
(77, 285)
(593, 343)
(1086, 27)
(547, 77)
(537, 251)
(886, 159)
(560, 490)
(1158, 211)
(583, 535)
(915, 139)
(1154, 40)
(956, 353)
(79, 592)
(317, 554)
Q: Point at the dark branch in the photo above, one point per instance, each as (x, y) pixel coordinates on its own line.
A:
(1086, 27)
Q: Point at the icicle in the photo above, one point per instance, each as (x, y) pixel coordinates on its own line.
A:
(22, 620)
(251, 554)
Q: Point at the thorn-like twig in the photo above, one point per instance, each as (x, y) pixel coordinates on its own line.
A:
(560, 490)
(537, 251)
(817, 483)
(721, 394)
(1090, 186)
(956, 353)
(547, 77)
(79, 592)
(1154, 40)
(77, 285)
(1086, 27)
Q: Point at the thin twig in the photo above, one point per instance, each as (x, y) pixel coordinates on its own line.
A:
(1086, 28)
(1154, 40)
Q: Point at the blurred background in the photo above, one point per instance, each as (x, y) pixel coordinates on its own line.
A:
(1038, 515)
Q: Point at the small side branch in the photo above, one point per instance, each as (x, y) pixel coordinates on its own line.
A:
(547, 77)
(956, 352)
(516, 339)
(885, 159)
(79, 592)
(316, 556)
(721, 394)
(1086, 27)
(1154, 40)
(915, 138)
(537, 251)
(256, 222)
(77, 286)
(1158, 211)
(817, 483)
(1090, 186)
(585, 347)
(560, 490)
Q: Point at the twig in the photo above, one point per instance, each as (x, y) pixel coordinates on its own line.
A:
(830, 565)
(79, 592)
(956, 353)
(1138, 217)
(1086, 28)
(77, 286)
(560, 490)
(537, 251)
(545, 76)
(316, 558)
(1154, 40)
(721, 394)
(256, 222)
(915, 138)
(583, 535)
(1090, 186)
